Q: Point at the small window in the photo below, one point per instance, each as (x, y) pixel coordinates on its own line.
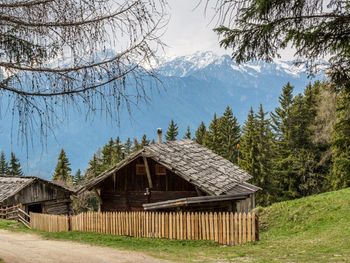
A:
(160, 170)
(140, 169)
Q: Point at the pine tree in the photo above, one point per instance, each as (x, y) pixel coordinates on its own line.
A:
(340, 176)
(108, 154)
(137, 145)
(127, 147)
(283, 144)
(144, 140)
(117, 152)
(78, 177)
(229, 136)
(95, 167)
(3, 164)
(249, 146)
(264, 148)
(63, 171)
(188, 134)
(212, 137)
(281, 123)
(14, 166)
(172, 131)
(305, 168)
(201, 133)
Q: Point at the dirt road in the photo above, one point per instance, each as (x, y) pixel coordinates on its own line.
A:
(23, 248)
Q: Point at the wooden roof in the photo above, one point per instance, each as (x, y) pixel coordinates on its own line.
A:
(195, 163)
(9, 185)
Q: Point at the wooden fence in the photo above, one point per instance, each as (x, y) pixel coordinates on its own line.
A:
(15, 213)
(225, 228)
(9, 212)
(49, 223)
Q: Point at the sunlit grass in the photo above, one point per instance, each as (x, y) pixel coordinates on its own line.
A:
(313, 229)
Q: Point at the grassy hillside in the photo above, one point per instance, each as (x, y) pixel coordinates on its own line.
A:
(313, 229)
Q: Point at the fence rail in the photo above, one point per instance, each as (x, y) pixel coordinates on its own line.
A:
(15, 213)
(225, 228)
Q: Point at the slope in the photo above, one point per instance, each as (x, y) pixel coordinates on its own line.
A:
(312, 229)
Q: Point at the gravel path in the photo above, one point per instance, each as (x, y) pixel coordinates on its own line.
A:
(22, 248)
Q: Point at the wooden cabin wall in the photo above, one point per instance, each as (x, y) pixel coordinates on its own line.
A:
(126, 191)
(57, 207)
(53, 200)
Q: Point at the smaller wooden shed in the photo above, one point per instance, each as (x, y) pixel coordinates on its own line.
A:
(35, 195)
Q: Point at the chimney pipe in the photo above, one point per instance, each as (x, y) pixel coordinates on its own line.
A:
(159, 132)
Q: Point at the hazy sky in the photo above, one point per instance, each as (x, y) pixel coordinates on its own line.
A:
(190, 30)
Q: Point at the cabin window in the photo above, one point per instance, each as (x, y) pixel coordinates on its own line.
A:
(160, 170)
(140, 169)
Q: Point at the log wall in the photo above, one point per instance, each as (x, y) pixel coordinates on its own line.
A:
(127, 191)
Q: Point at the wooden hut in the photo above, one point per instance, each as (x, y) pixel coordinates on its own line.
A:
(35, 195)
(174, 176)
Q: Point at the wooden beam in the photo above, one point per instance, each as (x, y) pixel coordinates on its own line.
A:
(98, 195)
(253, 201)
(194, 200)
(114, 180)
(148, 172)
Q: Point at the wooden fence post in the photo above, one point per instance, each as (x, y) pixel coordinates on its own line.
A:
(256, 228)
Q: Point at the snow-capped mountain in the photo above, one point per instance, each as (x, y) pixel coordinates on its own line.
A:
(183, 66)
(192, 88)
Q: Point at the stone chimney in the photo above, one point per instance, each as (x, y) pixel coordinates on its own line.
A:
(160, 135)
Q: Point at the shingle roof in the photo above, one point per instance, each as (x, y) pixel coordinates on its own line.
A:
(198, 165)
(10, 186)
(195, 163)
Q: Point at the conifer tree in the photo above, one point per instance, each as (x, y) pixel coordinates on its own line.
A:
(281, 122)
(94, 168)
(63, 171)
(14, 166)
(283, 144)
(340, 176)
(264, 149)
(229, 136)
(200, 133)
(249, 146)
(78, 177)
(188, 134)
(117, 152)
(3, 164)
(144, 140)
(172, 131)
(212, 137)
(137, 145)
(108, 154)
(127, 147)
(304, 163)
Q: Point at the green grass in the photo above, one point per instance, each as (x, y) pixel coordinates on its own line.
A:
(313, 229)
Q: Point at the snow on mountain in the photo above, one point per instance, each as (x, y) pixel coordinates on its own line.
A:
(183, 66)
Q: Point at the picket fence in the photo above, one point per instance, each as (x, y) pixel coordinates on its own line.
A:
(224, 227)
(49, 223)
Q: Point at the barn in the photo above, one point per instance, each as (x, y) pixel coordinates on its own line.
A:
(174, 176)
(34, 195)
